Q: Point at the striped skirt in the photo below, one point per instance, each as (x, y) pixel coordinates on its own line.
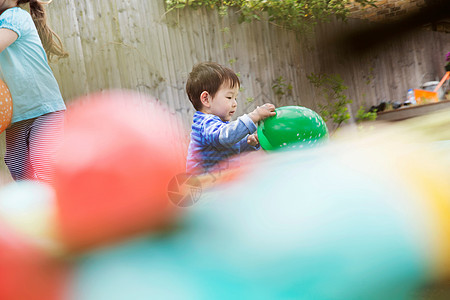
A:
(31, 147)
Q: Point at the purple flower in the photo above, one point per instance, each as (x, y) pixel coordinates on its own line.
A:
(447, 58)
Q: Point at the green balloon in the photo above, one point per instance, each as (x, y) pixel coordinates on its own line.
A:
(292, 127)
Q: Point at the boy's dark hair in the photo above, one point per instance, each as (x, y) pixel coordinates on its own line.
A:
(208, 76)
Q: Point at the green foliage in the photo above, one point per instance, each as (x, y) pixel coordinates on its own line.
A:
(370, 77)
(249, 100)
(298, 15)
(232, 61)
(280, 88)
(331, 88)
(363, 115)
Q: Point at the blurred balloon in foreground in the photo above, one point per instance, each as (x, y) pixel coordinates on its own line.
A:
(28, 267)
(120, 151)
(27, 271)
(292, 127)
(6, 106)
(365, 217)
(29, 207)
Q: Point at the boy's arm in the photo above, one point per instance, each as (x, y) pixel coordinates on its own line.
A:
(222, 134)
(245, 146)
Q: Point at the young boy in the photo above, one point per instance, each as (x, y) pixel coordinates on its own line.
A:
(213, 89)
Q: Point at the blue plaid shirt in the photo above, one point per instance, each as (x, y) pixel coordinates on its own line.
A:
(214, 141)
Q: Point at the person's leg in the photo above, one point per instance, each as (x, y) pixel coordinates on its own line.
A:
(46, 137)
(17, 156)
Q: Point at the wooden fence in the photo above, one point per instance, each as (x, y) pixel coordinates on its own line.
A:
(135, 45)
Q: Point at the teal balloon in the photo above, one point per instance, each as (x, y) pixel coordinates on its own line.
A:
(279, 237)
(292, 127)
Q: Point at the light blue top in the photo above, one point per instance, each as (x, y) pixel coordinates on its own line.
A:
(25, 69)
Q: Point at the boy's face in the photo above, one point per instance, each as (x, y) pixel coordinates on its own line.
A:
(224, 102)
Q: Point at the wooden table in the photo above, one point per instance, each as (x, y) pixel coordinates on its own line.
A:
(412, 111)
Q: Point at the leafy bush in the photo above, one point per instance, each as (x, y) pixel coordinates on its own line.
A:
(298, 15)
(331, 88)
(364, 115)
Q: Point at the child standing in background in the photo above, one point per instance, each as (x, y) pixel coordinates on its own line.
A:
(213, 89)
(38, 108)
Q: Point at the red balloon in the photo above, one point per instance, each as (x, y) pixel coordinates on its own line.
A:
(121, 150)
(27, 272)
(6, 106)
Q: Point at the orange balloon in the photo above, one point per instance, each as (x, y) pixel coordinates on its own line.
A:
(6, 106)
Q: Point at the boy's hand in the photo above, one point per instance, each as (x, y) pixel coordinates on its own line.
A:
(253, 140)
(262, 112)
